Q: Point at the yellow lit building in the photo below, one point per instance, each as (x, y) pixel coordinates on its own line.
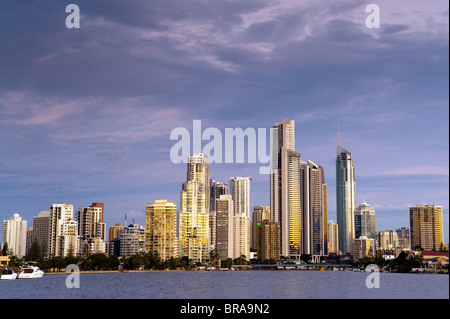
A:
(193, 227)
(268, 247)
(285, 205)
(193, 231)
(114, 231)
(260, 213)
(425, 224)
(363, 247)
(161, 228)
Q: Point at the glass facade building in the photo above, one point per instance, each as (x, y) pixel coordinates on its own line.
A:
(365, 221)
(345, 199)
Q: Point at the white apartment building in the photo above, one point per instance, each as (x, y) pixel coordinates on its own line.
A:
(15, 235)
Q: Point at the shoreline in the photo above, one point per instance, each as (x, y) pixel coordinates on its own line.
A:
(109, 271)
(179, 270)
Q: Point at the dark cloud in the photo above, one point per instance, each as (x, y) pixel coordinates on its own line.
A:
(94, 106)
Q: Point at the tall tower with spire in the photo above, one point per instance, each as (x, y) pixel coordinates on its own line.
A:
(345, 197)
(285, 205)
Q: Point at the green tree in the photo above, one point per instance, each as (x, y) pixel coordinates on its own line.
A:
(241, 260)
(70, 259)
(35, 253)
(227, 263)
(404, 263)
(185, 262)
(442, 248)
(5, 250)
(214, 257)
(113, 261)
(57, 263)
(136, 261)
(153, 261)
(172, 263)
(96, 262)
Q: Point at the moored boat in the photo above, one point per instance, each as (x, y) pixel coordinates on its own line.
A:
(30, 271)
(8, 274)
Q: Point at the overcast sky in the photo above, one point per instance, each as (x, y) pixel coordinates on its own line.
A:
(86, 114)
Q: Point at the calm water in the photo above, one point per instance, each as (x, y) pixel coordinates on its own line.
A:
(230, 285)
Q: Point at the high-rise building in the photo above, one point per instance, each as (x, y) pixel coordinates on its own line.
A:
(425, 225)
(314, 209)
(29, 240)
(63, 234)
(132, 240)
(224, 226)
(194, 228)
(113, 232)
(92, 229)
(268, 247)
(387, 240)
(345, 198)
(240, 191)
(102, 206)
(365, 221)
(198, 170)
(363, 247)
(333, 237)
(403, 238)
(41, 230)
(285, 206)
(161, 229)
(241, 235)
(15, 235)
(260, 213)
(216, 189)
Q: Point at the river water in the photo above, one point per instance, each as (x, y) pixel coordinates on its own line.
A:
(253, 284)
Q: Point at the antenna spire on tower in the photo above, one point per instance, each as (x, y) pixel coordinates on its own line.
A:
(337, 145)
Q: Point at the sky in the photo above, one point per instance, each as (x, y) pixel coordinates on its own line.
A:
(86, 113)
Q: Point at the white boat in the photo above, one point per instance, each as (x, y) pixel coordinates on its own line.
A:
(30, 272)
(8, 274)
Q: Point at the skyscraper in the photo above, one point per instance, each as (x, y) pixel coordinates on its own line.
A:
(387, 239)
(403, 238)
(260, 213)
(63, 239)
(194, 230)
(333, 238)
(15, 235)
(132, 240)
(161, 229)
(224, 226)
(425, 224)
(114, 231)
(198, 170)
(285, 206)
(345, 198)
(41, 230)
(241, 236)
(268, 247)
(314, 209)
(240, 190)
(365, 221)
(363, 247)
(216, 189)
(92, 229)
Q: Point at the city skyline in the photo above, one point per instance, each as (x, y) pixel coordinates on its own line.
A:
(142, 221)
(86, 114)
